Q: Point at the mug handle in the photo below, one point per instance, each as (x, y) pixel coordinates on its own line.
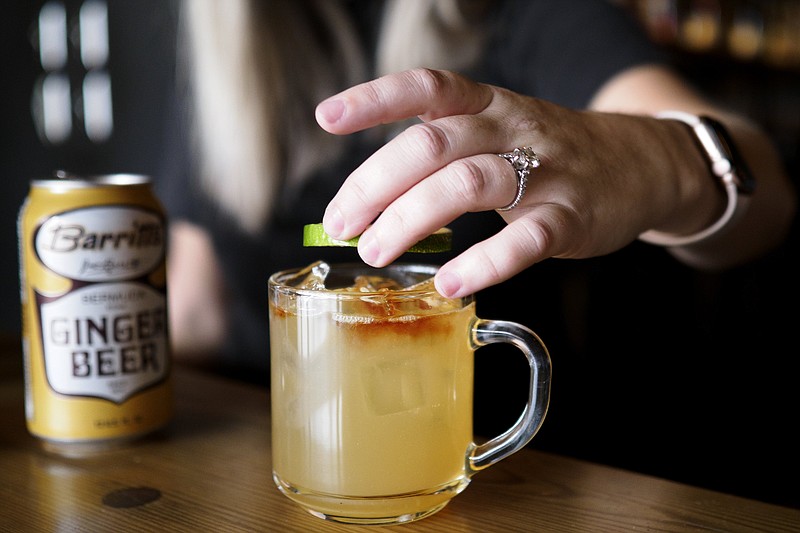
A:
(493, 331)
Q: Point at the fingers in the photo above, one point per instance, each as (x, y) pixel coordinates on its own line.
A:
(470, 184)
(426, 176)
(428, 163)
(424, 93)
(415, 154)
(498, 258)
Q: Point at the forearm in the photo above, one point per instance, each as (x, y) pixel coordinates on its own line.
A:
(770, 210)
(196, 294)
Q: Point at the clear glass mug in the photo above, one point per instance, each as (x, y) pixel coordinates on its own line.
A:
(372, 390)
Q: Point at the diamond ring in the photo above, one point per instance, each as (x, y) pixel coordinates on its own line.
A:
(522, 160)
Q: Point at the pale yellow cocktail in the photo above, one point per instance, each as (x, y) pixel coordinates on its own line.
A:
(372, 391)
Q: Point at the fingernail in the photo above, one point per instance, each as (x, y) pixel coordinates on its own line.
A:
(368, 249)
(447, 284)
(330, 111)
(333, 222)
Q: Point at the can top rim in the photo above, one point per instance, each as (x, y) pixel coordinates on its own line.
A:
(66, 179)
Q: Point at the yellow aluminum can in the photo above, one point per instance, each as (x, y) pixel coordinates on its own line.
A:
(94, 311)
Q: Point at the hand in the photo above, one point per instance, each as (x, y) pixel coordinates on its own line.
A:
(591, 195)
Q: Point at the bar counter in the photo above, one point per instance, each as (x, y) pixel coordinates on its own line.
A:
(210, 470)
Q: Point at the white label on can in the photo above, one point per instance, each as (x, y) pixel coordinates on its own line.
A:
(103, 243)
(105, 340)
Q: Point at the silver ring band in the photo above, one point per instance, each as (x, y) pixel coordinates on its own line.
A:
(522, 160)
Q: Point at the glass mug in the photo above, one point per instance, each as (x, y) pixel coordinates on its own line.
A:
(372, 388)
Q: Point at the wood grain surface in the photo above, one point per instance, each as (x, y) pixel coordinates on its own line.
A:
(210, 470)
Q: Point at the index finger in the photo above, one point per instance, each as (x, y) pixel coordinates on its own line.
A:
(424, 93)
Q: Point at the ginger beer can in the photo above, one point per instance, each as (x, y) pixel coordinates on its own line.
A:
(94, 311)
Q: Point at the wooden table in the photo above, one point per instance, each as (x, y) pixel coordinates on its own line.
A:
(210, 470)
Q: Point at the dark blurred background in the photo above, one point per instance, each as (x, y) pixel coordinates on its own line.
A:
(708, 361)
(85, 86)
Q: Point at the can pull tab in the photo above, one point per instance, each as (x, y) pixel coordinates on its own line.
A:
(63, 175)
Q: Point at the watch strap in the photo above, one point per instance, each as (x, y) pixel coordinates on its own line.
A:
(724, 163)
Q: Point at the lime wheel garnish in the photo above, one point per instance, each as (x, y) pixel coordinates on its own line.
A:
(439, 241)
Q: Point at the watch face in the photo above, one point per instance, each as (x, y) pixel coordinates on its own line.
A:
(745, 182)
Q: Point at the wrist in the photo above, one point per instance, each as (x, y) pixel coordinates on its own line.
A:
(724, 165)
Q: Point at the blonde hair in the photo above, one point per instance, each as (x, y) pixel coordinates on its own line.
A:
(258, 68)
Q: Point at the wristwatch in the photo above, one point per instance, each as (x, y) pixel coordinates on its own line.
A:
(725, 163)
